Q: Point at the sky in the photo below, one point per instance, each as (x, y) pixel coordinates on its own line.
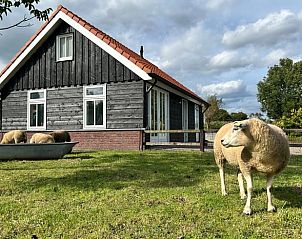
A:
(222, 47)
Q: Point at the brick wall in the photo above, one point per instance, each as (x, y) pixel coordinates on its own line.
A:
(99, 140)
(113, 139)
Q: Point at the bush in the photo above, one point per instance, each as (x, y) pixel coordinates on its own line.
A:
(291, 121)
(217, 124)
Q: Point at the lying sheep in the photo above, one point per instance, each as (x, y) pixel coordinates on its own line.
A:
(14, 137)
(251, 145)
(40, 138)
(60, 136)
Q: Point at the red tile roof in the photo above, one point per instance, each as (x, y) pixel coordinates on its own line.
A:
(142, 63)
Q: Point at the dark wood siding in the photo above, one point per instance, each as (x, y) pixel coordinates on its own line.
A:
(90, 65)
(65, 108)
(14, 111)
(125, 105)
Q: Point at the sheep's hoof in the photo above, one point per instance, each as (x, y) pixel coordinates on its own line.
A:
(242, 196)
(247, 211)
(271, 209)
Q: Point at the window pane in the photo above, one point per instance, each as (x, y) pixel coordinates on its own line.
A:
(32, 115)
(154, 124)
(37, 95)
(94, 91)
(40, 115)
(69, 46)
(99, 112)
(62, 47)
(90, 113)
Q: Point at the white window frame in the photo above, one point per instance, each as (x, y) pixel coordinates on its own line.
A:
(59, 37)
(185, 118)
(159, 137)
(36, 101)
(94, 98)
(197, 123)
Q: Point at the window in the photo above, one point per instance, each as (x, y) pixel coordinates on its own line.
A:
(95, 106)
(64, 47)
(158, 114)
(36, 110)
(197, 126)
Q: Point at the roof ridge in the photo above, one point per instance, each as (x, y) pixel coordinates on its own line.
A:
(142, 63)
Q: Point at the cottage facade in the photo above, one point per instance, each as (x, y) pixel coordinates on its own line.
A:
(72, 76)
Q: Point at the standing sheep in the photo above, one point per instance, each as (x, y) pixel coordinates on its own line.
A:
(14, 137)
(60, 136)
(40, 138)
(251, 145)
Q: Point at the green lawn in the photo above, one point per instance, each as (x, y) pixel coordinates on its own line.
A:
(150, 194)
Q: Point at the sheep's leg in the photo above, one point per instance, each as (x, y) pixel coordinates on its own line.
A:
(241, 185)
(249, 181)
(269, 183)
(222, 181)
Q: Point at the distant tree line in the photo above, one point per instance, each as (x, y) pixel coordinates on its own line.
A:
(216, 116)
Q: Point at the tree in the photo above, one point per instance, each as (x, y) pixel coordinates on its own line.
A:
(222, 115)
(6, 7)
(215, 104)
(256, 115)
(292, 120)
(238, 116)
(280, 91)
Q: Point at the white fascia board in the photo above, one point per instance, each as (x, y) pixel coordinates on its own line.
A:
(48, 30)
(29, 49)
(129, 64)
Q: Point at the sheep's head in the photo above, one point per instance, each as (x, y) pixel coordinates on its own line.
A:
(238, 135)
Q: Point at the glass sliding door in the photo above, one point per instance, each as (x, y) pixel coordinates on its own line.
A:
(185, 123)
(158, 114)
(197, 126)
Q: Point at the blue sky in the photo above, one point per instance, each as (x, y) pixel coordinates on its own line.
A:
(221, 47)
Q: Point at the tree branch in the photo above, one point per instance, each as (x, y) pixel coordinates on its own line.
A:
(19, 24)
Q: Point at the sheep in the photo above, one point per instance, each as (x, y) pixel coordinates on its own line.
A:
(60, 136)
(14, 137)
(251, 145)
(40, 138)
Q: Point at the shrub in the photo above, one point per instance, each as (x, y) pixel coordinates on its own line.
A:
(291, 121)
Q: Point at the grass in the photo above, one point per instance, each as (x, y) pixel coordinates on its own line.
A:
(150, 194)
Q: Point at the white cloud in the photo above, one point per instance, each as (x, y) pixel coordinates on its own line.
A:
(2, 65)
(229, 89)
(274, 56)
(273, 29)
(217, 4)
(231, 59)
(187, 51)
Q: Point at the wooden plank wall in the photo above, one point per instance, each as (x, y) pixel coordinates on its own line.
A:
(90, 65)
(14, 111)
(125, 105)
(65, 107)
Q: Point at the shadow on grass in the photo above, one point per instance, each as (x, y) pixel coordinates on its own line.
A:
(292, 196)
(118, 171)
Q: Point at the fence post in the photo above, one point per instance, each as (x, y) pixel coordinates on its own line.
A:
(141, 139)
(202, 140)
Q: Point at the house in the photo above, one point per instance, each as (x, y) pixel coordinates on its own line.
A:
(71, 75)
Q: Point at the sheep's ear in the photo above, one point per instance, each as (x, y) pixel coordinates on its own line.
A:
(240, 125)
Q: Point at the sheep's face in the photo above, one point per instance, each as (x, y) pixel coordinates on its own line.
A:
(238, 135)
